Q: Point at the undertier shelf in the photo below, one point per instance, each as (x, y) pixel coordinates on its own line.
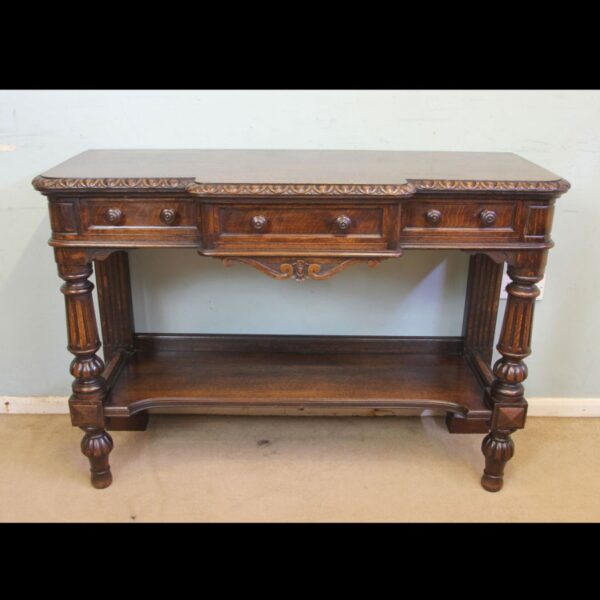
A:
(229, 371)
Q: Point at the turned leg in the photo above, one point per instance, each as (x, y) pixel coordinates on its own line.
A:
(89, 387)
(96, 445)
(525, 269)
(498, 448)
(116, 319)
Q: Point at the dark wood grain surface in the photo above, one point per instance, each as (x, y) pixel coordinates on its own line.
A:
(300, 166)
(296, 371)
(300, 214)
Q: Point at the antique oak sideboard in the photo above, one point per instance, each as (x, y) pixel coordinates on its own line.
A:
(299, 215)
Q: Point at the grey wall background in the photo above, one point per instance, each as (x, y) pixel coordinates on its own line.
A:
(420, 294)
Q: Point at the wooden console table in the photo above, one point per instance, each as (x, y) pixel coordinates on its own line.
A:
(299, 215)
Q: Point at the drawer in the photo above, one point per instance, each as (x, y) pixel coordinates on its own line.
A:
(275, 227)
(446, 217)
(300, 221)
(132, 214)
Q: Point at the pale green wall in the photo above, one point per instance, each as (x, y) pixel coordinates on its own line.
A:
(179, 291)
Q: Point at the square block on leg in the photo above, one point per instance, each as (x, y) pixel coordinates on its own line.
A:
(509, 416)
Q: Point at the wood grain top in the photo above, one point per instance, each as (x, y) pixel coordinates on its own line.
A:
(298, 172)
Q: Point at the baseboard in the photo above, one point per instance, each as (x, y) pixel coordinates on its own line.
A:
(538, 407)
(23, 405)
(563, 407)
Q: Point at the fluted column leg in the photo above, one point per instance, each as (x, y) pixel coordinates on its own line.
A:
(115, 308)
(525, 269)
(89, 387)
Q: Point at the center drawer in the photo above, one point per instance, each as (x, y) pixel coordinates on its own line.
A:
(273, 226)
(259, 220)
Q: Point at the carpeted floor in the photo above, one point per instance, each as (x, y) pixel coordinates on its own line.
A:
(283, 469)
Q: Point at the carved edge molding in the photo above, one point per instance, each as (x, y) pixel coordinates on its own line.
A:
(300, 269)
(284, 189)
(221, 189)
(440, 185)
(405, 189)
(44, 184)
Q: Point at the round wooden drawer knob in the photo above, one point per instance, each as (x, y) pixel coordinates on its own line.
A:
(488, 217)
(433, 217)
(114, 216)
(343, 222)
(259, 222)
(168, 216)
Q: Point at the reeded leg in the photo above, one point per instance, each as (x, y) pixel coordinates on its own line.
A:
(115, 303)
(510, 407)
(481, 305)
(479, 327)
(115, 307)
(96, 445)
(89, 387)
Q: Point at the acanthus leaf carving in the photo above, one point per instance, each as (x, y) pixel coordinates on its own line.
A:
(288, 189)
(44, 184)
(463, 185)
(408, 188)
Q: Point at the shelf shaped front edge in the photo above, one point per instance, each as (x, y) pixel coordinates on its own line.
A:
(330, 372)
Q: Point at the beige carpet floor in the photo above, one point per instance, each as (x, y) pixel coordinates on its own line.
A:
(283, 469)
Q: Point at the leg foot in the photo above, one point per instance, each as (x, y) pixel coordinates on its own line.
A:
(96, 445)
(498, 448)
(491, 483)
(101, 480)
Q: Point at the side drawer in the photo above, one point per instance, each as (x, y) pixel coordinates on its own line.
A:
(444, 217)
(105, 214)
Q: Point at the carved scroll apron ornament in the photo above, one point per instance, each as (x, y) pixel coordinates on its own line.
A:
(300, 269)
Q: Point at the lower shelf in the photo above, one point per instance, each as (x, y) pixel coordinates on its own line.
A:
(179, 371)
